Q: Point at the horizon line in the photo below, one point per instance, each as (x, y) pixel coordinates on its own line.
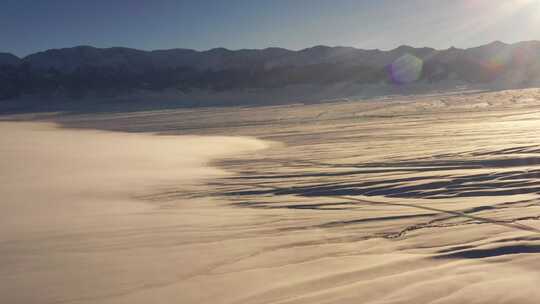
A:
(267, 48)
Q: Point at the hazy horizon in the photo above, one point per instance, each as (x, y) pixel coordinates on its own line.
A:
(276, 47)
(294, 25)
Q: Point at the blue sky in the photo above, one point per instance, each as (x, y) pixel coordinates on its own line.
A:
(32, 25)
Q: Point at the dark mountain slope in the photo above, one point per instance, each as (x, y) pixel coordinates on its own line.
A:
(79, 71)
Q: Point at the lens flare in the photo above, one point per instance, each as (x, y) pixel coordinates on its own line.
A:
(406, 69)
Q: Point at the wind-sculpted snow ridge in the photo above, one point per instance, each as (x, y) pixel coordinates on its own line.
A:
(456, 193)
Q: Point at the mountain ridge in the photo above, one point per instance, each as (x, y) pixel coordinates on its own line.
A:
(267, 49)
(84, 70)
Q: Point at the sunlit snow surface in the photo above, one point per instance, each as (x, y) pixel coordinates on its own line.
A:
(405, 200)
